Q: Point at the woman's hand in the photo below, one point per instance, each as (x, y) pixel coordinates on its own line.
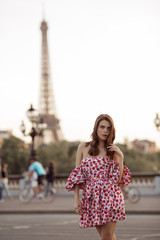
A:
(114, 148)
(78, 207)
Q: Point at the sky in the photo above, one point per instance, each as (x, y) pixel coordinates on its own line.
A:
(104, 57)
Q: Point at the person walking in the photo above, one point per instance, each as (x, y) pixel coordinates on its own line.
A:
(50, 174)
(1, 185)
(50, 178)
(5, 180)
(100, 172)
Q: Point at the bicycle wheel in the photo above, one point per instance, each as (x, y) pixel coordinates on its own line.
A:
(133, 194)
(26, 194)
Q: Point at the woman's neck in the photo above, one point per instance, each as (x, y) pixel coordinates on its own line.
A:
(101, 144)
(102, 149)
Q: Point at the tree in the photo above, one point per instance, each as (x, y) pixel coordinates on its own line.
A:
(138, 161)
(15, 153)
(63, 154)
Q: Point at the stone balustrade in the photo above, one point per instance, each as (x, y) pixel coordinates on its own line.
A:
(148, 183)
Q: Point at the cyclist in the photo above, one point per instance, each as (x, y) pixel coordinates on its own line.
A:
(39, 169)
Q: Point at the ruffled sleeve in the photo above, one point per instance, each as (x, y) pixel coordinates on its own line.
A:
(126, 178)
(76, 177)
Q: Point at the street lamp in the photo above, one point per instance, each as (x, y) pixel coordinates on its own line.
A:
(157, 122)
(38, 126)
(32, 114)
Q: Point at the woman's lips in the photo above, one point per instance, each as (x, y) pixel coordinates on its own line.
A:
(104, 135)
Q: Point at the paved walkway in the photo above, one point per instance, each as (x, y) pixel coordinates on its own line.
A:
(66, 227)
(64, 202)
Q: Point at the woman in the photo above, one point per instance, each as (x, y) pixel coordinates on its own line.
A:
(50, 174)
(99, 172)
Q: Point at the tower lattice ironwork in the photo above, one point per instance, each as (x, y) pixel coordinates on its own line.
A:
(47, 108)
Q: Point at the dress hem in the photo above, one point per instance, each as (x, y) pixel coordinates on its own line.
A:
(102, 223)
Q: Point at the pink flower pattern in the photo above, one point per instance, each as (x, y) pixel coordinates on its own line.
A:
(102, 199)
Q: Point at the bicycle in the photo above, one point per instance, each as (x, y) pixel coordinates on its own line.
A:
(28, 193)
(132, 194)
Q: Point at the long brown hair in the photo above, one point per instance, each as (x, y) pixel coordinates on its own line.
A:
(94, 150)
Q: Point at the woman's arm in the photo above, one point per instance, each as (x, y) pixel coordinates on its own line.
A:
(79, 157)
(79, 154)
(117, 157)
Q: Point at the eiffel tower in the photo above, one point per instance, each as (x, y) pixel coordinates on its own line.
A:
(47, 108)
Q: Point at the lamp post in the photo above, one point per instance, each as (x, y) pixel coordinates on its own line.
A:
(157, 122)
(38, 126)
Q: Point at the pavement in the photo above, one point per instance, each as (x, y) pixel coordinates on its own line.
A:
(64, 203)
(66, 226)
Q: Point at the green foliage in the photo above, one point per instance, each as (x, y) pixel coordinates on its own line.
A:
(15, 154)
(140, 162)
(63, 154)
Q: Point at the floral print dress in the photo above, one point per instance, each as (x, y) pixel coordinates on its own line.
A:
(102, 199)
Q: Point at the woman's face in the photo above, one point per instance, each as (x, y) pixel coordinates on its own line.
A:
(103, 130)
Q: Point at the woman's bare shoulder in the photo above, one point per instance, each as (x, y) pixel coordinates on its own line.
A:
(81, 146)
(82, 152)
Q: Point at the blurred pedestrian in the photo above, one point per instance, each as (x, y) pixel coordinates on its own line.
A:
(50, 174)
(1, 188)
(5, 180)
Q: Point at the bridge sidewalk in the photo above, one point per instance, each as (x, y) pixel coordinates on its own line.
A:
(64, 202)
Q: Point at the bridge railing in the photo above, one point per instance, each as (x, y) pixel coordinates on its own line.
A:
(148, 183)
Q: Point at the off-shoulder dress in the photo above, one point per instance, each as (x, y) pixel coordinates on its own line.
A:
(102, 200)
